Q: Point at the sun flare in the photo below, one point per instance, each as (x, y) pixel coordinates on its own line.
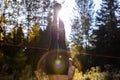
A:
(63, 15)
(66, 14)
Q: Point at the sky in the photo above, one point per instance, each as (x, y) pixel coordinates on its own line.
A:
(67, 13)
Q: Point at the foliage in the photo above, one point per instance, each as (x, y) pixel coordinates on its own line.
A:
(107, 32)
(98, 74)
(23, 35)
(80, 33)
(27, 74)
(82, 24)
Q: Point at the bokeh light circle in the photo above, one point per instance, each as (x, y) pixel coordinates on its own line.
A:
(54, 62)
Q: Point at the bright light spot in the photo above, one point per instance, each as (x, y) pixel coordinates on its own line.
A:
(58, 64)
(97, 4)
(60, 1)
(66, 15)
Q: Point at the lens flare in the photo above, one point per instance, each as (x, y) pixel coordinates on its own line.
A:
(54, 62)
(59, 66)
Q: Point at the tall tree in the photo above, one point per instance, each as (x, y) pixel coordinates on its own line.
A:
(18, 18)
(81, 28)
(107, 32)
(82, 24)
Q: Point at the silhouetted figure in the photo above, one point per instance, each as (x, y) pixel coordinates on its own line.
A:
(57, 30)
(55, 62)
(57, 50)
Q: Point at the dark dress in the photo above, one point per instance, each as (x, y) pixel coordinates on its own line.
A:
(56, 60)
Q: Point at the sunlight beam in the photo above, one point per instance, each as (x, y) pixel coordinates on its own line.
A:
(66, 14)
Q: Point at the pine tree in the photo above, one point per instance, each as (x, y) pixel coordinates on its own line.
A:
(80, 31)
(107, 32)
(82, 24)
